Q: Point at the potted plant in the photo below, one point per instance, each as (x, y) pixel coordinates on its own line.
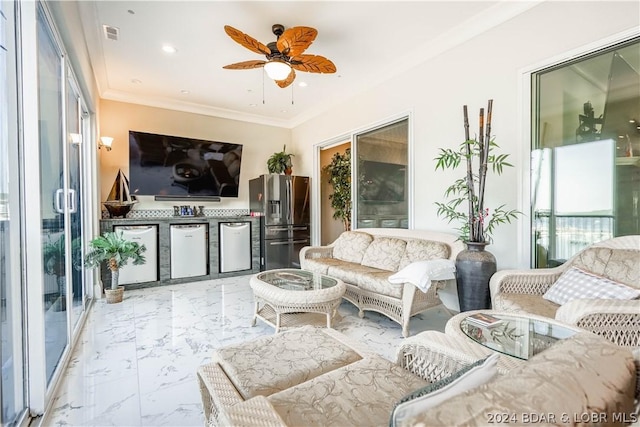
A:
(280, 162)
(475, 265)
(339, 176)
(116, 251)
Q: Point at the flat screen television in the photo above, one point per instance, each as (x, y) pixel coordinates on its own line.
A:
(163, 165)
(382, 182)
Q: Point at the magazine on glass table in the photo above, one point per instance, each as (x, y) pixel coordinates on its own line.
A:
(484, 319)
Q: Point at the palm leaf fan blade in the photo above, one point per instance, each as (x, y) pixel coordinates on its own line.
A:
(245, 65)
(246, 40)
(286, 82)
(313, 64)
(296, 40)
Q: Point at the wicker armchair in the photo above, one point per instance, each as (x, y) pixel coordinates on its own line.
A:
(618, 321)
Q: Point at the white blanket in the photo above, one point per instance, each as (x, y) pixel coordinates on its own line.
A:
(421, 273)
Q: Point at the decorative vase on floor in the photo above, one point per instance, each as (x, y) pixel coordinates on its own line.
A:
(474, 268)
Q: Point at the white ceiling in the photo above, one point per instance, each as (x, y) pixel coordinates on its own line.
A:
(368, 41)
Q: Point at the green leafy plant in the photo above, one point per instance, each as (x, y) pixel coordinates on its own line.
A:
(53, 255)
(116, 251)
(477, 221)
(279, 162)
(339, 176)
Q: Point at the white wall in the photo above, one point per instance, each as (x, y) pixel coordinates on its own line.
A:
(488, 66)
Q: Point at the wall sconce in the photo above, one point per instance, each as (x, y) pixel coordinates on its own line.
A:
(105, 141)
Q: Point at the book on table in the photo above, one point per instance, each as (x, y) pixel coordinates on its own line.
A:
(484, 319)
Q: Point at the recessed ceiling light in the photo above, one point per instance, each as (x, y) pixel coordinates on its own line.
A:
(185, 91)
(169, 49)
(283, 111)
(253, 105)
(136, 81)
(303, 84)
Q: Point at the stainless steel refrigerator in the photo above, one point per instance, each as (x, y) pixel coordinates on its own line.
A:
(282, 202)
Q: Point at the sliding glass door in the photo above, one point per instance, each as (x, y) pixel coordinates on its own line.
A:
(381, 175)
(585, 174)
(12, 390)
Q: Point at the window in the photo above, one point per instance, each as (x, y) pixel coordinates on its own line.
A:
(585, 160)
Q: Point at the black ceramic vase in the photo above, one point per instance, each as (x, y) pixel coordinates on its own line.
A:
(474, 268)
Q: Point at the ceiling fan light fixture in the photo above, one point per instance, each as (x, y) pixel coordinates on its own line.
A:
(277, 70)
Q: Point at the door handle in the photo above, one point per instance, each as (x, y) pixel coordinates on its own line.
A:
(279, 229)
(299, 228)
(279, 243)
(300, 241)
(73, 207)
(59, 201)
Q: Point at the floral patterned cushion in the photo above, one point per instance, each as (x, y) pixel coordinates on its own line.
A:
(350, 272)
(321, 265)
(610, 263)
(360, 394)
(420, 250)
(270, 364)
(379, 283)
(584, 374)
(384, 253)
(351, 246)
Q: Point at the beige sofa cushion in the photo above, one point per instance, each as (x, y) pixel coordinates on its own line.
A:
(379, 283)
(270, 364)
(622, 268)
(360, 394)
(351, 246)
(581, 375)
(421, 250)
(321, 265)
(525, 303)
(384, 253)
(349, 272)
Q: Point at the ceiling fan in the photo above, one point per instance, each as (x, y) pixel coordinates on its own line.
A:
(284, 55)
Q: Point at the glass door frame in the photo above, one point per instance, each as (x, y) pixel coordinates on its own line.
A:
(40, 390)
(351, 138)
(525, 244)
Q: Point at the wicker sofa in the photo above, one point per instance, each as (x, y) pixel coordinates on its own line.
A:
(617, 259)
(364, 260)
(309, 376)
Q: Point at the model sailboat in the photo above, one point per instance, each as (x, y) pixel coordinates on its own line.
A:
(120, 201)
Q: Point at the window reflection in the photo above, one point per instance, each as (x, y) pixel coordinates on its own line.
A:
(585, 162)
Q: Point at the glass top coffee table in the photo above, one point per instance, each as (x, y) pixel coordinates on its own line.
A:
(520, 336)
(291, 297)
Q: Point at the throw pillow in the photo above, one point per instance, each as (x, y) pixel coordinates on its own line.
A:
(421, 273)
(579, 284)
(429, 396)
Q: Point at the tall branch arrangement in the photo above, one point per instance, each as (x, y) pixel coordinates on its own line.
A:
(477, 222)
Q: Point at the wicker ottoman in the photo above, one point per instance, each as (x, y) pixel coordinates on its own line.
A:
(268, 365)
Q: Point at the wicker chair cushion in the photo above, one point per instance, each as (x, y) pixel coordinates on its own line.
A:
(619, 265)
(384, 253)
(351, 246)
(379, 283)
(431, 395)
(420, 250)
(525, 303)
(270, 364)
(581, 375)
(321, 265)
(360, 394)
(349, 272)
(578, 284)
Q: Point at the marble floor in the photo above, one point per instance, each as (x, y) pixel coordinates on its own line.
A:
(135, 363)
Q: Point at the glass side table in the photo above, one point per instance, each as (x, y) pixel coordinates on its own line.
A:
(518, 336)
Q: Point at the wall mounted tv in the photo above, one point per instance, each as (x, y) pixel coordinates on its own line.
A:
(162, 165)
